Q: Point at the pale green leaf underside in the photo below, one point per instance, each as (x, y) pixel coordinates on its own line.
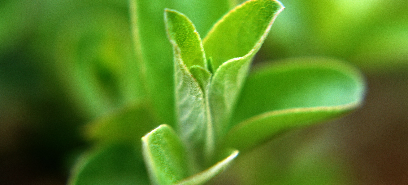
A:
(165, 156)
(190, 99)
(293, 93)
(231, 45)
(114, 164)
(211, 172)
(223, 91)
(190, 107)
(259, 129)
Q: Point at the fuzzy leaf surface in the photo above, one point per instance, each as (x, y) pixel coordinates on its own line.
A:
(165, 156)
(185, 38)
(114, 164)
(153, 51)
(231, 45)
(190, 100)
(291, 94)
(241, 31)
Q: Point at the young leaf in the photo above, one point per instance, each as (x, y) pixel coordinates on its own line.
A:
(152, 48)
(114, 164)
(294, 93)
(241, 31)
(191, 107)
(185, 39)
(231, 45)
(209, 173)
(165, 156)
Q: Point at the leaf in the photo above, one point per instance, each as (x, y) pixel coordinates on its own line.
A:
(114, 164)
(291, 94)
(127, 124)
(185, 39)
(191, 106)
(241, 31)
(211, 172)
(152, 48)
(231, 45)
(165, 156)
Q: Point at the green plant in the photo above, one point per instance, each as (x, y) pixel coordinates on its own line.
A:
(219, 109)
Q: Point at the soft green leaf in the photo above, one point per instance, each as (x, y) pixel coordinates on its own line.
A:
(185, 39)
(299, 83)
(211, 172)
(126, 124)
(115, 164)
(258, 129)
(231, 45)
(165, 156)
(241, 31)
(290, 94)
(191, 106)
(152, 47)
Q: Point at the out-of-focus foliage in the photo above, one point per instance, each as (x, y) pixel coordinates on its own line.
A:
(369, 33)
(53, 55)
(312, 164)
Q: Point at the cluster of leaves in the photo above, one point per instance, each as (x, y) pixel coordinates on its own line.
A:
(216, 107)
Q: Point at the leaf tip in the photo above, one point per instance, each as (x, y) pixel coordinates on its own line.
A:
(163, 126)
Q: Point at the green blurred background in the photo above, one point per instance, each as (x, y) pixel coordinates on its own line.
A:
(48, 47)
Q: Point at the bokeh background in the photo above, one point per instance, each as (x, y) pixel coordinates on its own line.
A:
(48, 46)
